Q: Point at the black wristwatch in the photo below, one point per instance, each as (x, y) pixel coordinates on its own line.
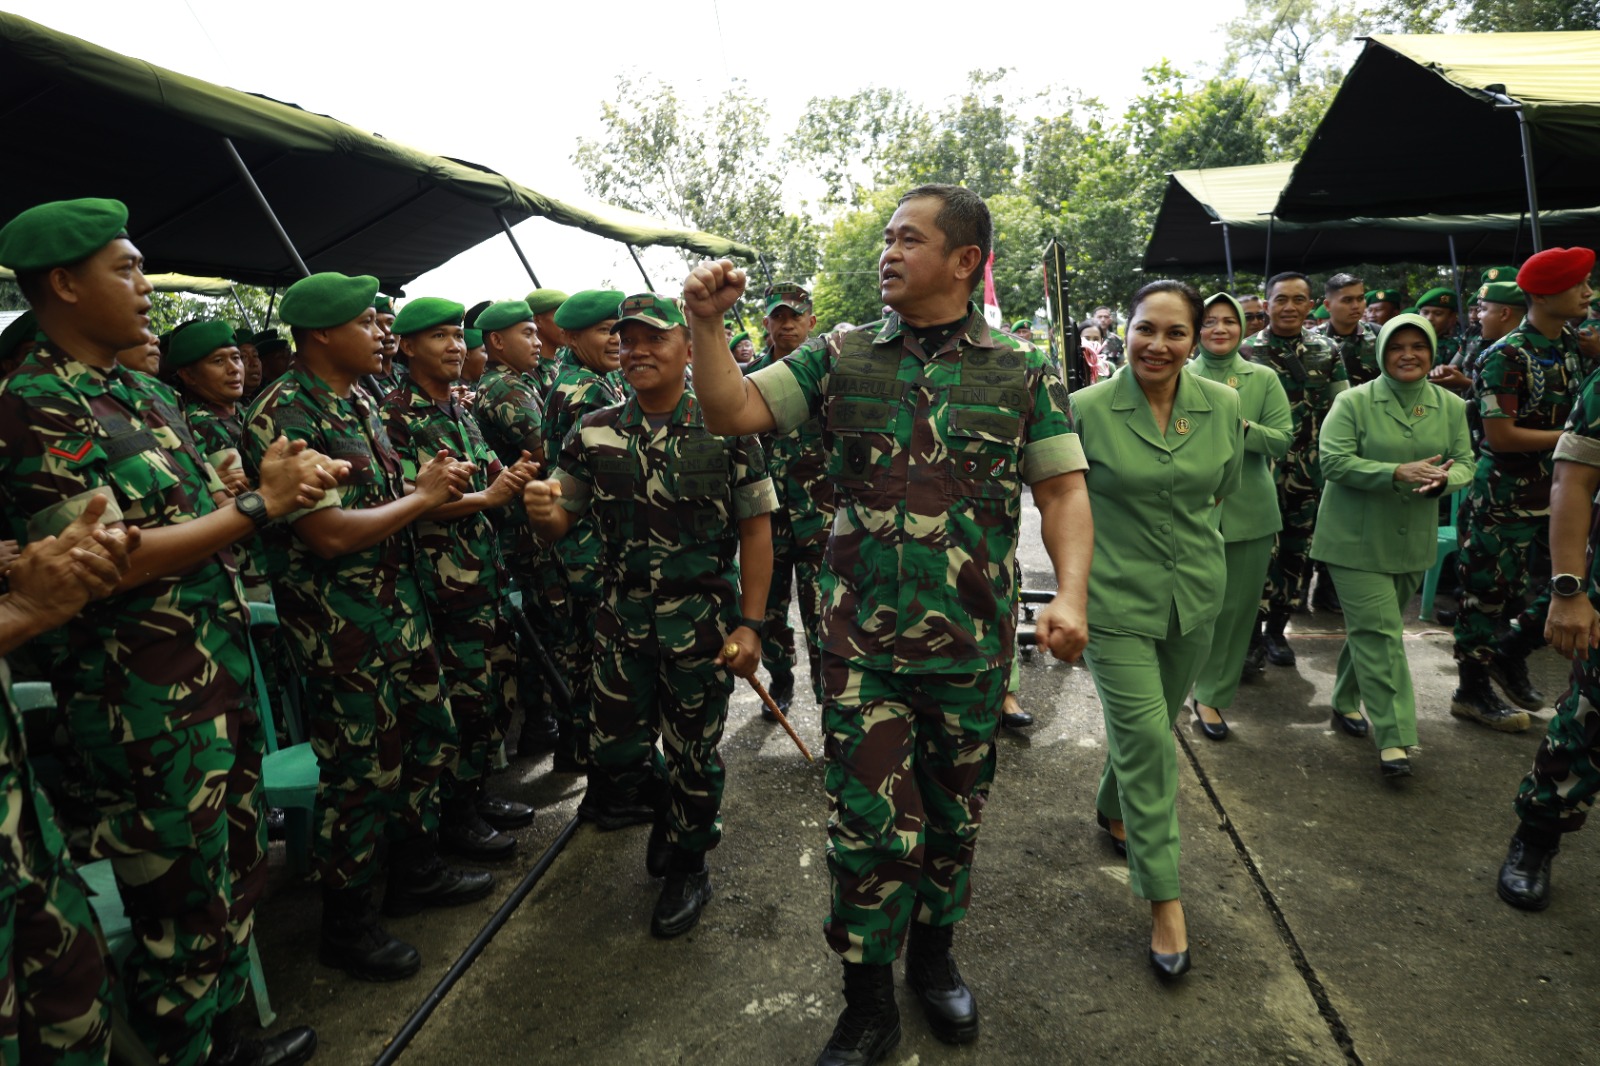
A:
(1565, 585)
(756, 625)
(253, 507)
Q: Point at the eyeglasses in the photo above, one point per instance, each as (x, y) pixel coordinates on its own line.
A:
(1256, 316)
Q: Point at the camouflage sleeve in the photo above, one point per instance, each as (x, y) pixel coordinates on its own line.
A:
(1581, 441)
(794, 387)
(51, 466)
(753, 491)
(573, 473)
(1051, 446)
(1500, 383)
(514, 414)
(1340, 376)
(268, 422)
(398, 426)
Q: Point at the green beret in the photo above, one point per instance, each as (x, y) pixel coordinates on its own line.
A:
(503, 314)
(1378, 296)
(243, 336)
(1502, 292)
(541, 300)
(425, 312)
(21, 330)
(1437, 297)
(587, 308)
(1021, 323)
(1499, 273)
(60, 233)
(193, 341)
(1321, 313)
(266, 348)
(474, 338)
(384, 305)
(325, 300)
(264, 336)
(662, 312)
(737, 339)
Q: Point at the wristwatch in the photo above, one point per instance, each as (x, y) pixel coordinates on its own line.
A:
(755, 625)
(253, 507)
(1565, 585)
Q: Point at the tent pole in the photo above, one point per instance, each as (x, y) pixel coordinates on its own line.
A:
(1502, 102)
(283, 235)
(1455, 272)
(762, 259)
(1266, 269)
(501, 215)
(1227, 252)
(647, 283)
(242, 312)
(272, 301)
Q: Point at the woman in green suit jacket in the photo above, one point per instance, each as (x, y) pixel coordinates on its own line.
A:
(1163, 447)
(1249, 518)
(1390, 448)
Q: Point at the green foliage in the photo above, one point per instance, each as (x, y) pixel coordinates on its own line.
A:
(968, 143)
(169, 310)
(847, 282)
(11, 297)
(1291, 43)
(1485, 16)
(850, 142)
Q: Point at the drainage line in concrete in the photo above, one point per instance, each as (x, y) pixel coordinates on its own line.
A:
(419, 1017)
(1308, 974)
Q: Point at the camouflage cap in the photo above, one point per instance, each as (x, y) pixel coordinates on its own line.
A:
(60, 232)
(662, 312)
(325, 300)
(1378, 296)
(193, 341)
(503, 314)
(1437, 297)
(587, 308)
(541, 300)
(1502, 292)
(425, 312)
(1497, 273)
(786, 294)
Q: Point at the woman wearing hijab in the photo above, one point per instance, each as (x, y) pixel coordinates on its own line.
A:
(1390, 448)
(1249, 518)
(1163, 446)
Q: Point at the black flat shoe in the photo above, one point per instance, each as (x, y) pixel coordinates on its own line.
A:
(1169, 967)
(1119, 846)
(1356, 727)
(1213, 731)
(1400, 767)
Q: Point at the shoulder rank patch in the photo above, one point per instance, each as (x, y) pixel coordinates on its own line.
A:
(69, 455)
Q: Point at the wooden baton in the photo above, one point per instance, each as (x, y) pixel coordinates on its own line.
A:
(729, 651)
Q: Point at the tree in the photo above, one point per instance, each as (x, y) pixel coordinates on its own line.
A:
(169, 310)
(1290, 43)
(1486, 16)
(849, 143)
(709, 170)
(847, 281)
(969, 142)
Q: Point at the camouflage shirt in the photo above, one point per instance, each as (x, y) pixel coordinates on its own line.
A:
(1532, 379)
(511, 414)
(31, 845)
(546, 370)
(667, 499)
(365, 605)
(1312, 375)
(928, 453)
(1581, 444)
(1358, 351)
(577, 391)
(171, 652)
(462, 554)
(799, 469)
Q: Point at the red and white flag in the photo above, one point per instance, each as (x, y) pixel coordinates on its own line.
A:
(991, 305)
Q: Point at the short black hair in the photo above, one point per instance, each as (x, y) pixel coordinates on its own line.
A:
(1104, 308)
(1197, 307)
(963, 218)
(1339, 281)
(1288, 275)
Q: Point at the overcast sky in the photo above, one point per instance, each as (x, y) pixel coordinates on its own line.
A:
(514, 85)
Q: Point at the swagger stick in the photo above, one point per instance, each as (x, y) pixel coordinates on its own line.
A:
(730, 650)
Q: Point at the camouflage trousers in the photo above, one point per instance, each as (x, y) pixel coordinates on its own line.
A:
(1498, 547)
(55, 987)
(475, 658)
(544, 600)
(795, 568)
(1299, 492)
(575, 657)
(910, 761)
(181, 821)
(641, 694)
(1557, 793)
(383, 735)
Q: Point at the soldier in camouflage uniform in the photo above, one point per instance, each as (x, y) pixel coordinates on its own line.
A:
(1355, 340)
(686, 557)
(1312, 374)
(55, 988)
(465, 577)
(351, 601)
(154, 682)
(1438, 306)
(585, 383)
(552, 338)
(1526, 389)
(1384, 304)
(800, 525)
(933, 424)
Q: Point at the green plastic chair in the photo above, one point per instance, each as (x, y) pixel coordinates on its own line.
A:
(1447, 544)
(288, 775)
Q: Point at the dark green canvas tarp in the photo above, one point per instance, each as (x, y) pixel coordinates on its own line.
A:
(85, 121)
(1413, 129)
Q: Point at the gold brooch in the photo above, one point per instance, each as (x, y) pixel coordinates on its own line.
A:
(1416, 412)
(1182, 426)
(1233, 381)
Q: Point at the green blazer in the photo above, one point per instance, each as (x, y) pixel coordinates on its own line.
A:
(1156, 542)
(1366, 520)
(1252, 512)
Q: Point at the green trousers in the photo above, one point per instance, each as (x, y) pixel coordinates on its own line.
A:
(1218, 682)
(1372, 665)
(1143, 682)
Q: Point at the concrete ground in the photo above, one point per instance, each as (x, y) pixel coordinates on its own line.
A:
(1333, 916)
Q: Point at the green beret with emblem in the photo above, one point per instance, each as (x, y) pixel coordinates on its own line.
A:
(1437, 297)
(61, 233)
(474, 338)
(1502, 292)
(426, 312)
(662, 312)
(1499, 273)
(325, 300)
(541, 300)
(193, 341)
(588, 308)
(21, 330)
(504, 314)
(1378, 296)
(737, 339)
(384, 305)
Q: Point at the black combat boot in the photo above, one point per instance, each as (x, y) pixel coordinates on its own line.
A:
(353, 941)
(572, 751)
(684, 894)
(1476, 700)
(658, 849)
(1278, 651)
(609, 807)
(503, 813)
(1525, 875)
(1509, 667)
(538, 733)
(230, 1047)
(869, 1028)
(418, 878)
(782, 692)
(931, 973)
(462, 830)
(1255, 655)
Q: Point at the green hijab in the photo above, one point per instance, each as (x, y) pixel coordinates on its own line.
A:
(1214, 365)
(1408, 393)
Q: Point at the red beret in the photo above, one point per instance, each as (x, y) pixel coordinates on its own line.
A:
(1555, 270)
